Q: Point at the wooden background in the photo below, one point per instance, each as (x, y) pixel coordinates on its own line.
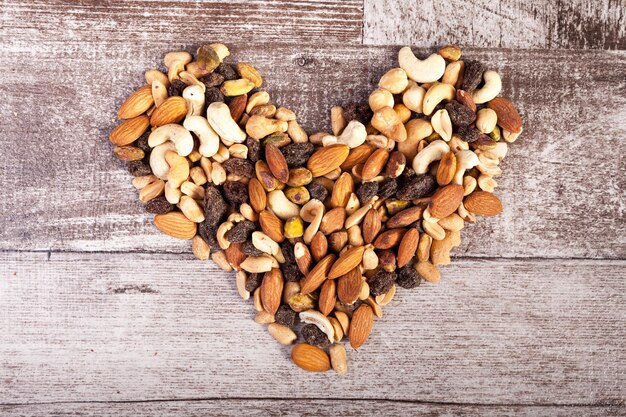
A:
(102, 315)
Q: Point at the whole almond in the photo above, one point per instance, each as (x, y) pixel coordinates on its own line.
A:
(172, 110)
(271, 226)
(310, 358)
(483, 203)
(272, 290)
(129, 130)
(347, 261)
(446, 200)
(303, 257)
(328, 297)
(374, 164)
(258, 197)
(344, 186)
(327, 159)
(276, 162)
(508, 117)
(466, 99)
(357, 156)
(333, 220)
(361, 325)
(237, 106)
(389, 238)
(317, 276)
(137, 103)
(447, 169)
(319, 246)
(408, 247)
(175, 224)
(371, 225)
(405, 217)
(235, 255)
(349, 286)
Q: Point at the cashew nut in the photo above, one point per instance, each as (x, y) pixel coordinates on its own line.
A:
(218, 116)
(394, 80)
(174, 133)
(312, 212)
(195, 100)
(158, 164)
(179, 169)
(172, 193)
(421, 71)
(435, 94)
(320, 320)
(413, 97)
(491, 88)
(464, 160)
(380, 98)
(159, 92)
(442, 124)
(486, 120)
(209, 140)
(257, 99)
(282, 207)
(486, 183)
(154, 74)
(433, 152)
(416, 130)
(259, 127)
(175, 63)
(353, 135)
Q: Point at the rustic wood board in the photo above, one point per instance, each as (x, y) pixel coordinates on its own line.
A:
(574, 24)
(119, 327)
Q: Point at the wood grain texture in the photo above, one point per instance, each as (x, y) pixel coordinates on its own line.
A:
(576, 24)
(113, 327)
(561, 189)
(300, 407)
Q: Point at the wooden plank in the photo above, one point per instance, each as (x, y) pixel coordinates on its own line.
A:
(577, 24)
(561, 190)
(299, 407)
(119, 327)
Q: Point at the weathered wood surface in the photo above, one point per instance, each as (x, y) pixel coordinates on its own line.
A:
(300, 407)
(118, 327)
(573, 24)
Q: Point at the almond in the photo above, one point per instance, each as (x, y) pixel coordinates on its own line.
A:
(408, 247)
(374, 164)
(310, 358)
(483, 203)
(344, 186)
(349, 286)
(466, 99)
(303, 257)
(276, 162)
(333, 220)
(446, 201)
(371, 225)
(389, 238)
(271, 226)
(347, 261)
(327, 159)
(235, 256)
(175, 224)
(361, 325)
(319, 246)
(258, 197)
(237, 106)
(395, 164)
(172, 110)
(328, 297)
(317, 276)
(137, 103)
(508, 117)
(129, 131)
(405, 217)
(447, 169)
(357, 156)
(272, 290)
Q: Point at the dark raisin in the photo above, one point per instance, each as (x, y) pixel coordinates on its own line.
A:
(420, 186)
(215, 207)
(460, 115)
(239, 166)
(408, 277)
(473, 75)
(212, 79)
(381, 282)
(296, 154)
(469, 134)
(253, 282)
(314, 336)
(139, 168)
(250, 250)
(236, 193)
(212, 95)
(254, 149)
(142, 143)
(159, 205)
(176, 88)
(241, 232)
(317, 191)
(208, 233)
(291, 272)
(285, 316)
(366, 191)
(227, 71)
(359, 112)
(287, 249)
(387, 188)
(407, 175)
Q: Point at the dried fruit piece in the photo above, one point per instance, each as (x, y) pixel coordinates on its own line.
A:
(417, 187)
(381, 282)
(314, 336)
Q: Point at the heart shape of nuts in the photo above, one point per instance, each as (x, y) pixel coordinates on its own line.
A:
(319, 228)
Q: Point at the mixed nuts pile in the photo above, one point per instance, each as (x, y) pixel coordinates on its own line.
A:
(319, 228)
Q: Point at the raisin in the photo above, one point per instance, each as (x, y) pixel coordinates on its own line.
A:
(236, 193)
(285, 316)
(212, 95)
(317, 191)
(250, 250)
(296, 154)
(469, 134)
(176, 88)
(420, 186)
(254, 149)
(253, 282)
(241, 232)
(366, 191)
(214, 207)
(381, 282)
(159, 205)
(291, 272)
(287, 249)
(238, 166)
(407, 175)
(359, 112)
(208, 233)
(142, 143)
(212, 79)
(387, 188)
(314, 336)
(227, 71)
(408, 278)
(460, 115)
(473, 75)
(139, 168)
